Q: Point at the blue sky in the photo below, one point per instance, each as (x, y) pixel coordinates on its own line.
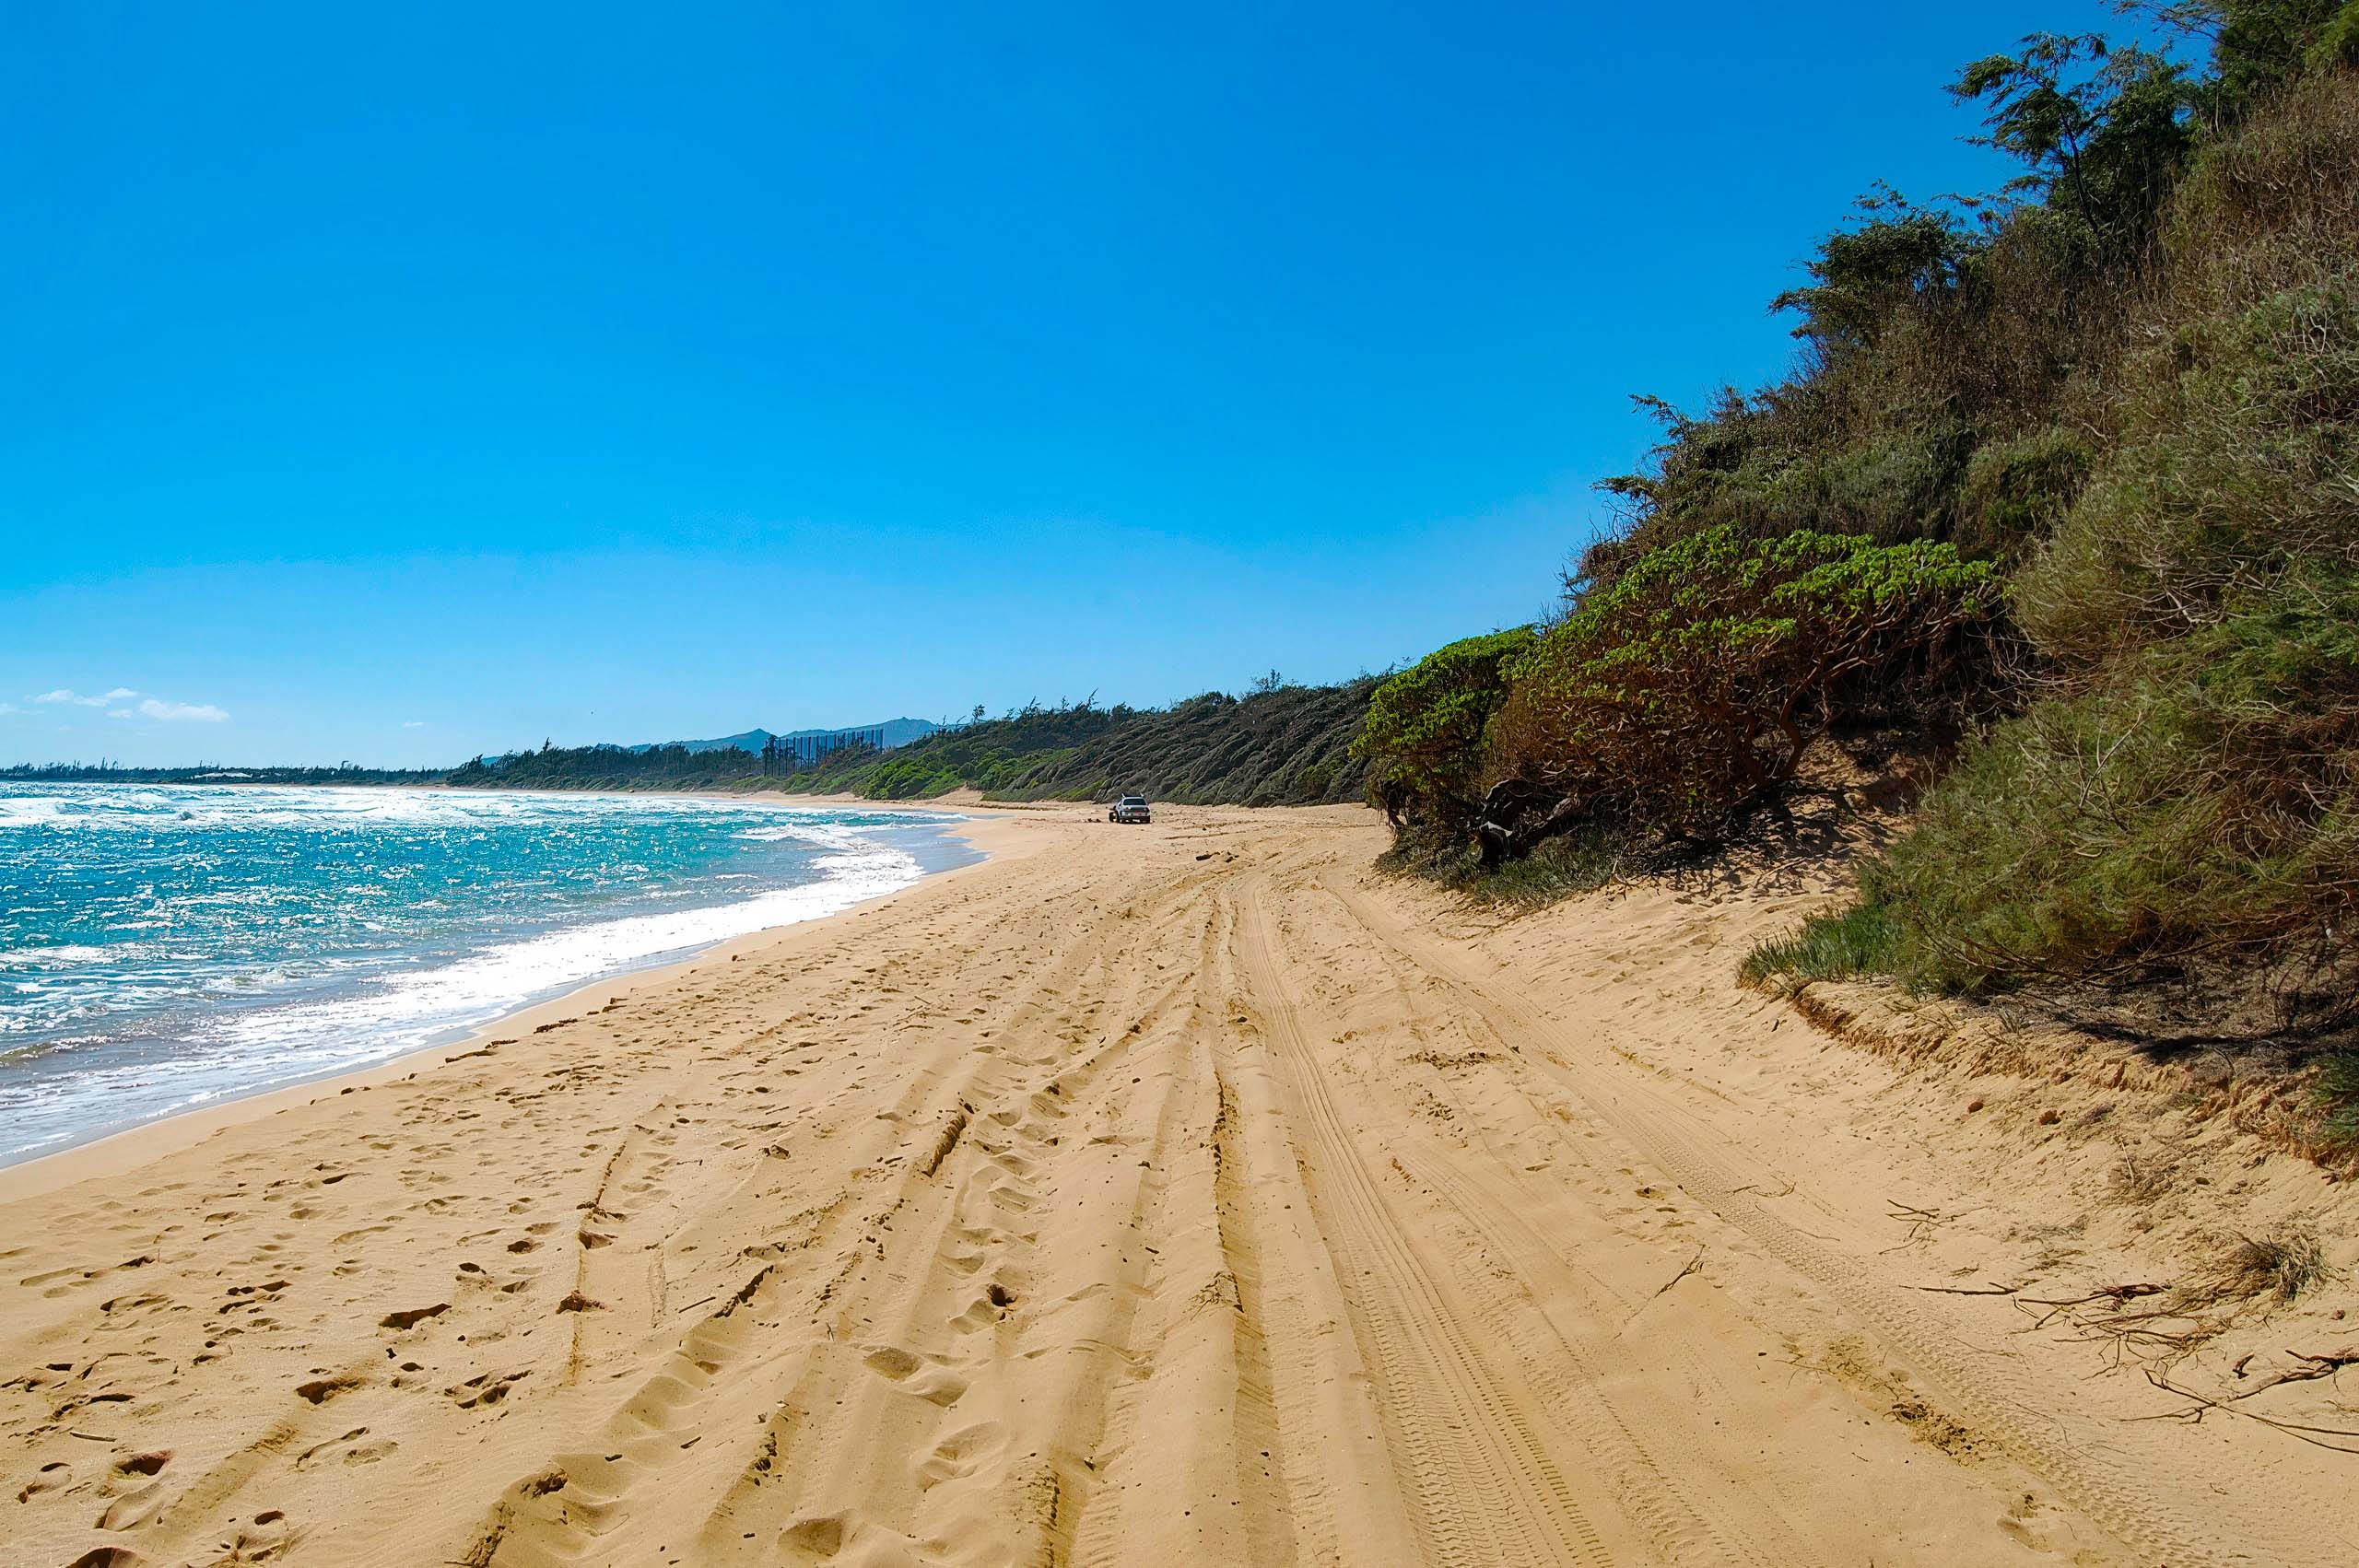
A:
(403, 384)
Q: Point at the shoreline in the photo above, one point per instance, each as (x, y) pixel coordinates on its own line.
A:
(126, 1148)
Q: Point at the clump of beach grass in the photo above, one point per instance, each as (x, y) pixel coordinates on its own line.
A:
(2338, 1096)
(1861, 940)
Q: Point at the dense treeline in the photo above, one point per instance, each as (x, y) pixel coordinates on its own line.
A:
(212, 773)
(614, 768)
(1279, 744)
(2066, 479)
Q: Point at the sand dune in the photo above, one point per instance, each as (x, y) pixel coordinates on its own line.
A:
(1167, 1195)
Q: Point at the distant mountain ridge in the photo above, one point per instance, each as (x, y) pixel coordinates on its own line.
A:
(896, 733)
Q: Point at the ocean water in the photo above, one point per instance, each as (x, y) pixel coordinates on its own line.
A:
(164, 947)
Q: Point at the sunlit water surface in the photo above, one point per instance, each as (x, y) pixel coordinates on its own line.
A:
(165, 946)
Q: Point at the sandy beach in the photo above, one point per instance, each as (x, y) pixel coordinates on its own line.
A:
(1191, 1194)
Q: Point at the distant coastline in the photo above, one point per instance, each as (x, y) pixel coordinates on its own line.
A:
(215, 773)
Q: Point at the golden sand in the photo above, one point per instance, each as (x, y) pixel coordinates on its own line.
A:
(1178, 1195)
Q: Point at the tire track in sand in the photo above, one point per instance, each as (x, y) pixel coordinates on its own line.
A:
(1538, 1298)
(1485, 1486)
(2115, 1478)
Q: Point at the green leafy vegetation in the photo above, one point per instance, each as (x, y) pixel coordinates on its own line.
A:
(1675, 697)
(1429, 727)
(2198, 807)
(1693, 684)
(2061, 498)
(2182, 804)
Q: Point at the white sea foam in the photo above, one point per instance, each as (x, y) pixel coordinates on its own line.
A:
(249, 1051)
(231, 1003)
(328, 809)
(68, 952)
(827, 835)
(403, 1011)
(30, 811)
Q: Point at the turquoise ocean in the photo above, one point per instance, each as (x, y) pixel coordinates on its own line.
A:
(166, 947)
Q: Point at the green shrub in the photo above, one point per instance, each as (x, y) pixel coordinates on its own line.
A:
(1695, 681)
(1424, 727)
(2201, 808)
(2132, 390)
(1888, 484)
(2236, 463)
(2017, 489)
(2338, 1095)
(2337, 45)
(2185, 806)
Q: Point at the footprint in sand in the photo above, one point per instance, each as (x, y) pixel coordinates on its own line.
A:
(962, 1453)
(1012, 1196)
(916, 1375)
(986, 1310)
(319, 1391)
(487, 1388)
(133, 1508)
(109, 1557)
(817, 1538)
(54, 1474)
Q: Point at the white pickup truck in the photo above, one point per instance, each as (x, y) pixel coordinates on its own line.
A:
(1129, 808)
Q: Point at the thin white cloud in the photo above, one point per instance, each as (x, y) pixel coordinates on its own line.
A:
(10, 707)
(202, 712)
(67, 695)
(413, 723)
(153, 706)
